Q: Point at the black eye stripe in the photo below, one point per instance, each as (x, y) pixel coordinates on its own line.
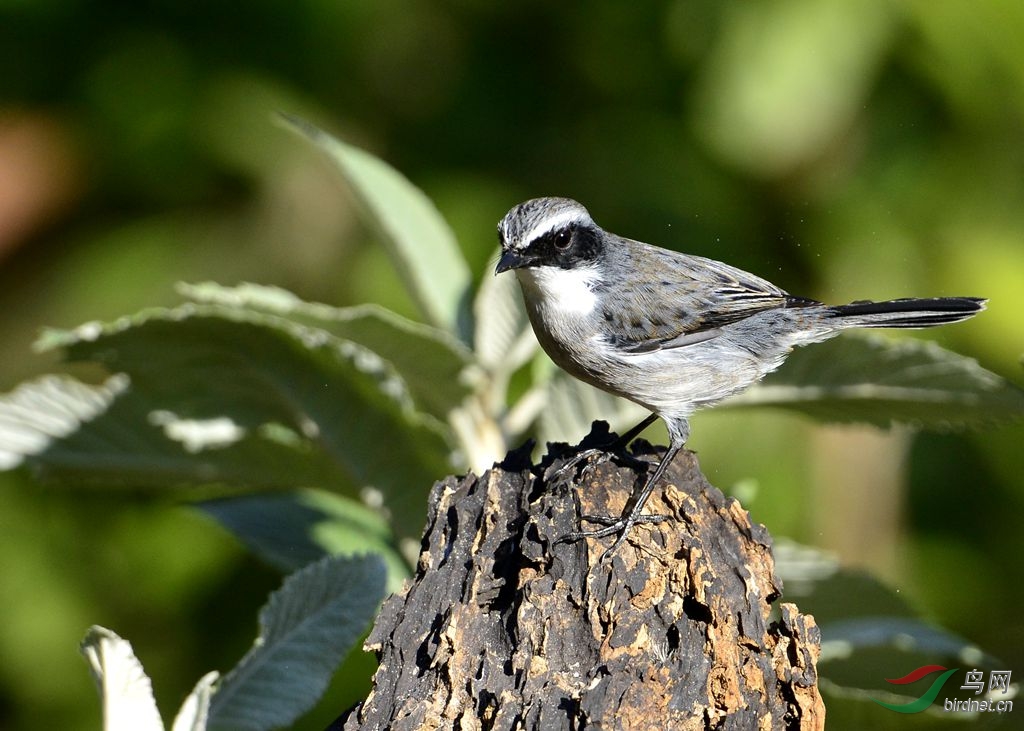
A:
(559, 239)
(565, 247)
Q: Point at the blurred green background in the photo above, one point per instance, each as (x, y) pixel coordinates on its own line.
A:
(845, 150)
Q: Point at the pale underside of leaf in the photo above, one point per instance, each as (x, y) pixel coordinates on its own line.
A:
(573, 405)
(503, 339)
(49, 408)
(125, 689)
(195, 711)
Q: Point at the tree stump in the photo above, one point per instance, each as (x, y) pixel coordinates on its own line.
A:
(504, 627)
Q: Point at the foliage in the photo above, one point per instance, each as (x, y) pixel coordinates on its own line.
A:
(250, 388)
(306, 628)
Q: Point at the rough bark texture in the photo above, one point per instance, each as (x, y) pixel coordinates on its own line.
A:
(504, 628)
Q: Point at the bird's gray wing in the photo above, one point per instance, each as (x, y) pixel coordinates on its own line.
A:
(672, 300)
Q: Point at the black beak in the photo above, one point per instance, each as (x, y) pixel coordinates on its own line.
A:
(510, 259)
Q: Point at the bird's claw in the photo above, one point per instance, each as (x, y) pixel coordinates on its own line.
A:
(620, 522)
(613, 526)
(586, 455)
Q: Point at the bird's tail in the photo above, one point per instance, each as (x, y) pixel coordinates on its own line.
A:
(908, 312)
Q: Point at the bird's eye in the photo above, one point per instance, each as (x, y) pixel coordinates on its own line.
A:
(562, 239)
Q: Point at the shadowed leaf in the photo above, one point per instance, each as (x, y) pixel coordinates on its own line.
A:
(306, 629)
(878, 381)
(291, 530)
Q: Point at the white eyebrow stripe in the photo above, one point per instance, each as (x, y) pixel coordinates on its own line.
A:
(547, 225)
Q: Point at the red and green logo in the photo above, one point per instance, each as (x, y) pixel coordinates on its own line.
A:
(929, 695)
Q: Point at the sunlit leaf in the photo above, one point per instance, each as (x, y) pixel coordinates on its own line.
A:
(432, 362)
(49, 408)
(125, 690)
(879, 381)
(419, 240)
(306, 629)
(306, 408)
(123, 444)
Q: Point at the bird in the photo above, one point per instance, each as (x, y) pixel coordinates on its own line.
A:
(672, 332)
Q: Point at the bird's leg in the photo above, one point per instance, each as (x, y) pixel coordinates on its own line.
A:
(632, 512)
(619, 443)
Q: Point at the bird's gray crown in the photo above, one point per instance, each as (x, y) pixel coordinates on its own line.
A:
(529, 221)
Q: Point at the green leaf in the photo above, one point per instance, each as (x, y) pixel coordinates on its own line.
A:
(124, 446)
(878, 381)
(125, 690)
(291, 530)
(419, 240)
(301, 406)
(432, 362)
(195, 711)
(306, 629)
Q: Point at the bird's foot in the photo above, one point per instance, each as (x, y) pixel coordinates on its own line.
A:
(603, 444)
(569, 466)
(593, 456)
(619, 527)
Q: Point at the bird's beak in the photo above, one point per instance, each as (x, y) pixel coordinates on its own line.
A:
(510, 259)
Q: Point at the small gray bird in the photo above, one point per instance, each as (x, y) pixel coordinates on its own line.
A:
(672, 332)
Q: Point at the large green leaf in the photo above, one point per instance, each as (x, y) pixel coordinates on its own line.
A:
(68, 431)
(306, 629)
(432, 362)
(303, 408)
(293, 529)
(422, 245)
(125, 689)
(879, 381)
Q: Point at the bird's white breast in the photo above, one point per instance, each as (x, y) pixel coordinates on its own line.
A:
(561, 291)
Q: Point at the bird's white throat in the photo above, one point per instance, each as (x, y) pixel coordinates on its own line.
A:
(562, 290)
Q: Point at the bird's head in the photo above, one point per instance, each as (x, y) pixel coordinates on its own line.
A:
(548, 232)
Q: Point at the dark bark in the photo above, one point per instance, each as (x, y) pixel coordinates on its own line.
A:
(502, 627)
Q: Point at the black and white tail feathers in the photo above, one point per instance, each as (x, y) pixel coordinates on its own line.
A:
(910, 312)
